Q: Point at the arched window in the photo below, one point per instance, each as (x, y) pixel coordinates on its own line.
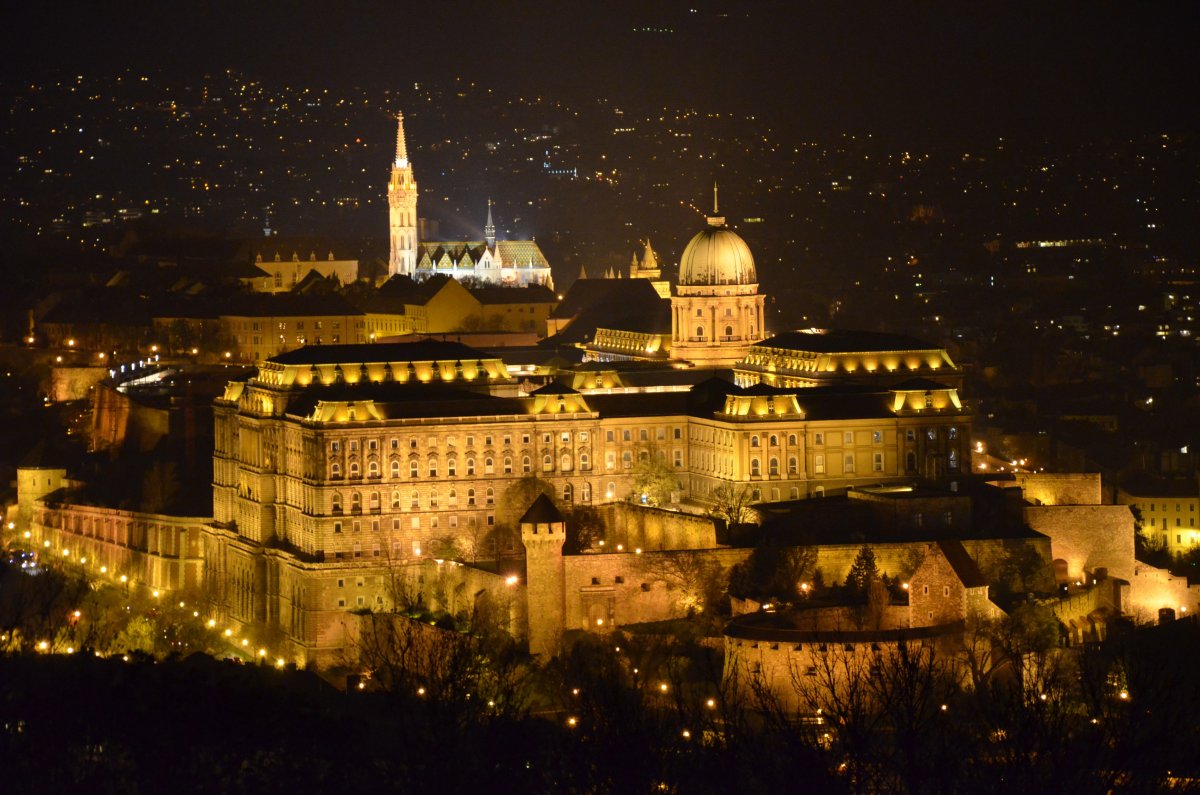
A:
(774, 442)
(700, 332)
(773, 467)
(526, 465)
(489, 496)
(452, 498)
(470, 496)
(413, 469)
(729, 331)
(612, 490)
(585, 462)
(395, 469)
(452, 468)
(755, 468)
(414, 499)
(433, 498)
(337, 502)
(374, 501)
(568, 493)
(793, 466)
(547, 463)
(470, 466)
(335, 470)
(488, 466)
(356, 502)
(791, 438)
(585, 492)
(433, 468)
(754, 441)
(372, 470)
(565, 462)
(353, 469)
(396, 500)
(794, 494)
(626, 459)
(507, 465)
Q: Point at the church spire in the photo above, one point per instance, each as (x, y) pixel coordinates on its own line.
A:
(401, 147)
(716, 219)
(489, 229)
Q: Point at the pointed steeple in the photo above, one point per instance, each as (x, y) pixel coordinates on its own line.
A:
(649, 259)
(716, 219)
(583, 272)
(401, 146)
(489, 229)
(633, 266)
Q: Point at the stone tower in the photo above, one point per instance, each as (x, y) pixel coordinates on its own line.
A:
(402, 209)
(543, 532)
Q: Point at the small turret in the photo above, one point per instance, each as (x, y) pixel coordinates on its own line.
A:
(489, 229)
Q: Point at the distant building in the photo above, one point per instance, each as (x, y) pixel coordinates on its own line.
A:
(1167, 508)
(517, 263)
(277, 271)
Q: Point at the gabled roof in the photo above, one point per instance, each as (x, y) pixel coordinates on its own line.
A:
(964, 567)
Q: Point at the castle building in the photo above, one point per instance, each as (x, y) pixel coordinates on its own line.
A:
(717, 310)
(518, 263)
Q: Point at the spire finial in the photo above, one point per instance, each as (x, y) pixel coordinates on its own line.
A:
(401, 148)
(489, 229)
(715, 210)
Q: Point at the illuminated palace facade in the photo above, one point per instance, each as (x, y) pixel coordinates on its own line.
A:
(518, 263)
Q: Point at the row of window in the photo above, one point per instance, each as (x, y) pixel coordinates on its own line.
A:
(1178, 522)
(565, 464)
(451, 442)
(338, 504)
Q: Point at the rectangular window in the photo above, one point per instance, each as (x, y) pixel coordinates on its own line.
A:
(848, 462)
(678, 433)
(877, 437)
(848, 437)
(608, 436)
(878, 462)
(819, 464)
(415, 523)
(818, 438)
(910, 435)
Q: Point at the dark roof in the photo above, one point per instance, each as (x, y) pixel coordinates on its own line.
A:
(533, 294)
(426, 350)
(920, 384)
(841, 341)
(411, 401)
(542, 511)
(966, 569)
(555, 388)
(290, 305)
(1144, 484)
(622, 304)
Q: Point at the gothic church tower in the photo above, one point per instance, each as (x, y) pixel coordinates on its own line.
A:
(402, 210)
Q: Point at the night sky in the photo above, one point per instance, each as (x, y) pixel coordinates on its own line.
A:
(904, 70)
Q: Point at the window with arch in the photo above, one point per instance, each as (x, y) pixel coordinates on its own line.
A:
(337, 502)
(729, 331)
(356, 502)
(452, 498)
(507, 465)
(526, 465)
(433, 497)
(335, 470)
(565, 462)
(755, 468)
(568, 493)
(470, 466)
(585, 462)
(396, 500)
(413, 469)
(470, 496)
(372, 470)
(452, 468)
(585, 492)
(791, 438)
(794, 494)
(395, 469)
(414, 499)
(488, 466)
(627, 460)
(754, 441)
(374, 501)
(793, 466)
(774, 440)
(773, 467)
(433, 468)
(700, 332)
(489, 496)
(547, 463)
(354, 469)
(612, 490)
